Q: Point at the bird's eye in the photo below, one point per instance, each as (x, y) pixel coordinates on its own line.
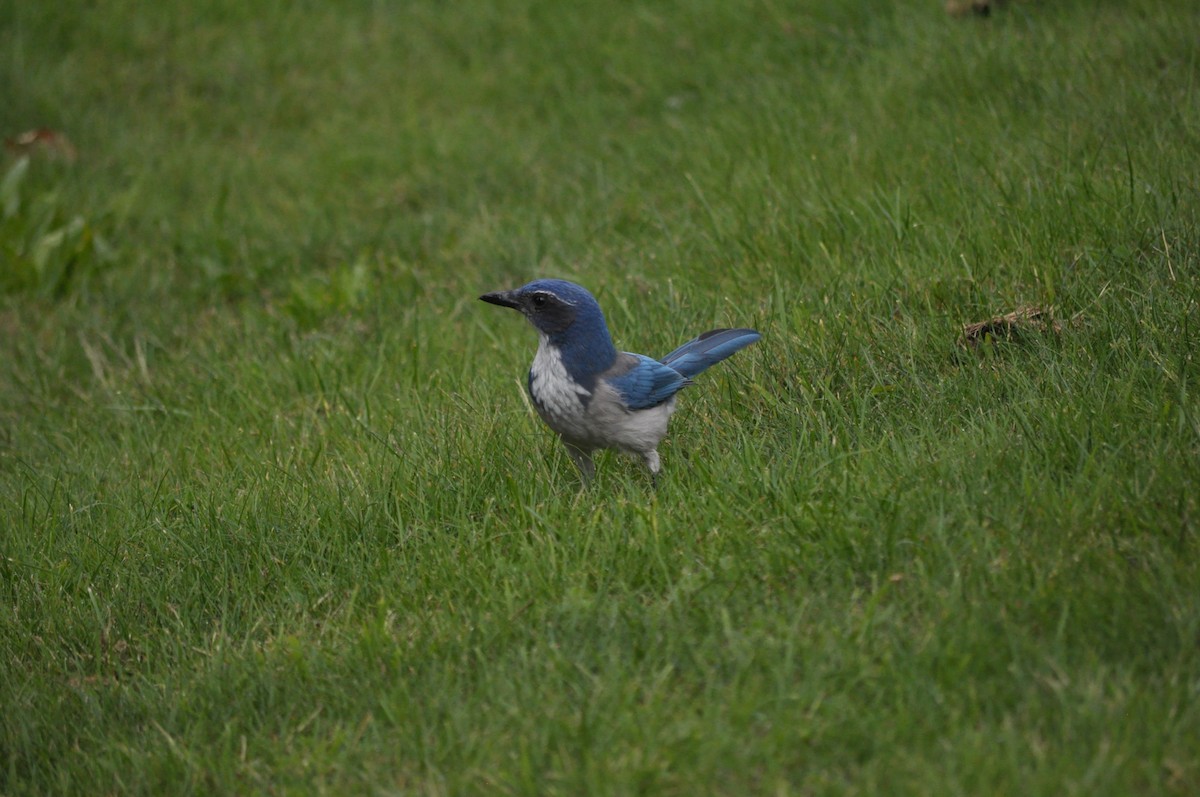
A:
(539, 300)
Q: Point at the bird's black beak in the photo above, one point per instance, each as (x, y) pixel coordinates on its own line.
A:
(502, 298)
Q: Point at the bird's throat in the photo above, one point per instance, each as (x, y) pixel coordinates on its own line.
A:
(553, 389)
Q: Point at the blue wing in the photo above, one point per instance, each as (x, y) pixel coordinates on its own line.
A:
(643, 382)
(709, 349)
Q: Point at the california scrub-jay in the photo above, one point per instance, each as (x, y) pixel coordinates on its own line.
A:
(593, 395)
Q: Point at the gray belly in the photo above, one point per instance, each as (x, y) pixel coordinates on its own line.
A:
(602, 422)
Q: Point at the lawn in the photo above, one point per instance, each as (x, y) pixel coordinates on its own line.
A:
(277, 517)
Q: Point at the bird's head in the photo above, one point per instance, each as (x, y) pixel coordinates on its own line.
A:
(554, 307)
(569, 320)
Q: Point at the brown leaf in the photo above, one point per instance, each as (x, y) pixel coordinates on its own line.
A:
(41, 141)
(1010, 325)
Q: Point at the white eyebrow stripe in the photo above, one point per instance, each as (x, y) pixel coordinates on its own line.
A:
(553, 296)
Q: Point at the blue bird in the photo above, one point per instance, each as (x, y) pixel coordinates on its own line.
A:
(591, 394)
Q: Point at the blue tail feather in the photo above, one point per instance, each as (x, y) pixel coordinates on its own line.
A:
(709, 349)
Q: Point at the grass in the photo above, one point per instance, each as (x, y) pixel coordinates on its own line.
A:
(275, 517)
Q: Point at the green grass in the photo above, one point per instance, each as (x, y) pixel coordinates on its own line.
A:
(275, 517)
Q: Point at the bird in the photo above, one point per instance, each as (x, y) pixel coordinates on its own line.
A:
(594, 396)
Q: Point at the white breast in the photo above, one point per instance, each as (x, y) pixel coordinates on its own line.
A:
(557, 395)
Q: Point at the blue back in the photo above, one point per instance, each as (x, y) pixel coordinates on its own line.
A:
(644, 382)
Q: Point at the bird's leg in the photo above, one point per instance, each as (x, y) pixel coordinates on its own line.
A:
(652, 462)
(583, 460)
